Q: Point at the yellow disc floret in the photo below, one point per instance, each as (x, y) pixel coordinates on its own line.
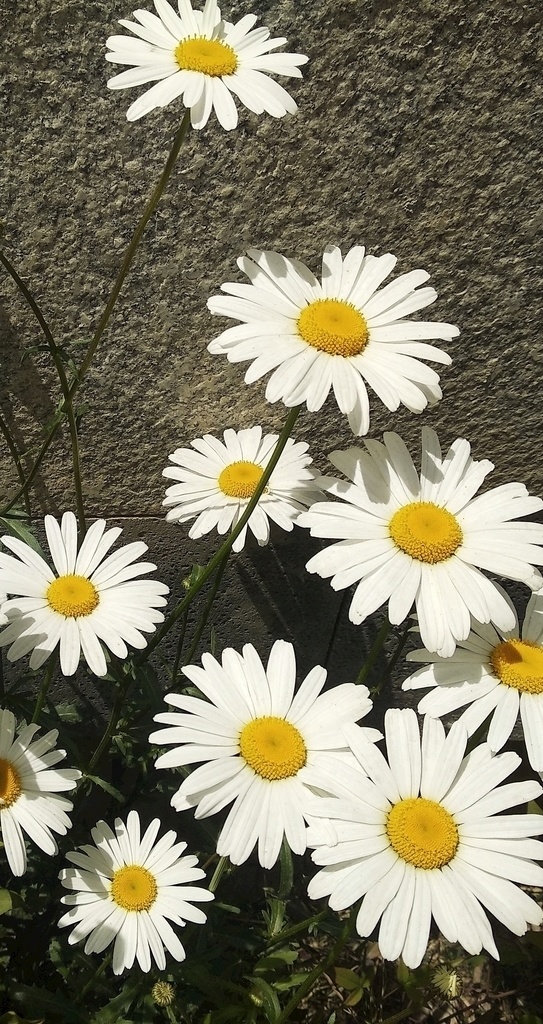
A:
(240, 479)
(10, 783)
(72, 596)
(134, 888)
(210, 56)
(422, 832)
(425, 531)
(272, 747)
(333, 326)
(519, 663)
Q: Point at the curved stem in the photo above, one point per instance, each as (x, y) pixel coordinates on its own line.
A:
(44, 686)
(5, 431)
(56, 354)
(205, 614)
(104, 320)
(375, 651)
(317, 973)
(225, 549)
(103, 745)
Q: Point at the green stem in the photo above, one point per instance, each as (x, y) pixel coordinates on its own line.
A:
(44, 686)
(179, 648)
(5, 431)
(119, 281)
(103, 745)
(97, 974)
(286, 881)
(56, 355)
(302, 926)
(218, 873)
(225, 549)
(317, 973)
(375, 651)
(335, 627)
(205, 614)
(399, 649)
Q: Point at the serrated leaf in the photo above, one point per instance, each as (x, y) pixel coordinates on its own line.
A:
(346, 978)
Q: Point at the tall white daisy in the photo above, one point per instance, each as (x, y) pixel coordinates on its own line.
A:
(203, 59)
(421, 837)
(217, 481)
(496, 674)
(92, 600)
(424, 540)
(254, 736)
(341, 334)
(29, 790)
(127, 887)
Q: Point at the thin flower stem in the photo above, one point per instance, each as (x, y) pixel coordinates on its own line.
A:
(56, 354)
(179, 648)
(103, 745)
(286, 881)
(118, 283)
(5, 431)
(225, 549)
(97, 974)
(375, 651)
(317, 973)
(399, 649)
(44, 686)
(335, 627)
(205, 614)
(218, 873)
(302, 926)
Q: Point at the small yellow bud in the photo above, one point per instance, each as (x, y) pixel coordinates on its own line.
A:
(163, 993)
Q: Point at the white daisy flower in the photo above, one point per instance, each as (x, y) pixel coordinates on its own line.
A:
(496, 674)
(217, 481)
(92, 599)
(341, 334)
(424, 540)
(254, 736)
(29, 788)
(421, 837)
(129, 888)
(203, 59)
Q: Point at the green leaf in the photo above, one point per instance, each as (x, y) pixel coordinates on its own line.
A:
(534, 808)
(270, 1002)
(347, 979)
(354, 997)
(527, 1018)
(106, 786)
(9, 901)
(40, 1002)
(13, 1018)
(18, 528)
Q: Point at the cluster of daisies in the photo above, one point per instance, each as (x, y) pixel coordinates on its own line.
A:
(416, 836)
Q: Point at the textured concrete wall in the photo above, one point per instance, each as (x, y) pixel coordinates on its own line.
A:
(419, 133)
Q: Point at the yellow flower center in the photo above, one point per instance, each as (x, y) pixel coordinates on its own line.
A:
(272, 747)
(10, 783)
(422, 832)
(240, 479)
(425, 531)
(72, 596)
(208, 55)
(519, 663)
(134, 888)
(333, 326)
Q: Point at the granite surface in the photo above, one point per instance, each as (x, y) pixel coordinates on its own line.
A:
(419, 132)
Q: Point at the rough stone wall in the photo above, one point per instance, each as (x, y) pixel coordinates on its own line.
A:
(419, 133)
